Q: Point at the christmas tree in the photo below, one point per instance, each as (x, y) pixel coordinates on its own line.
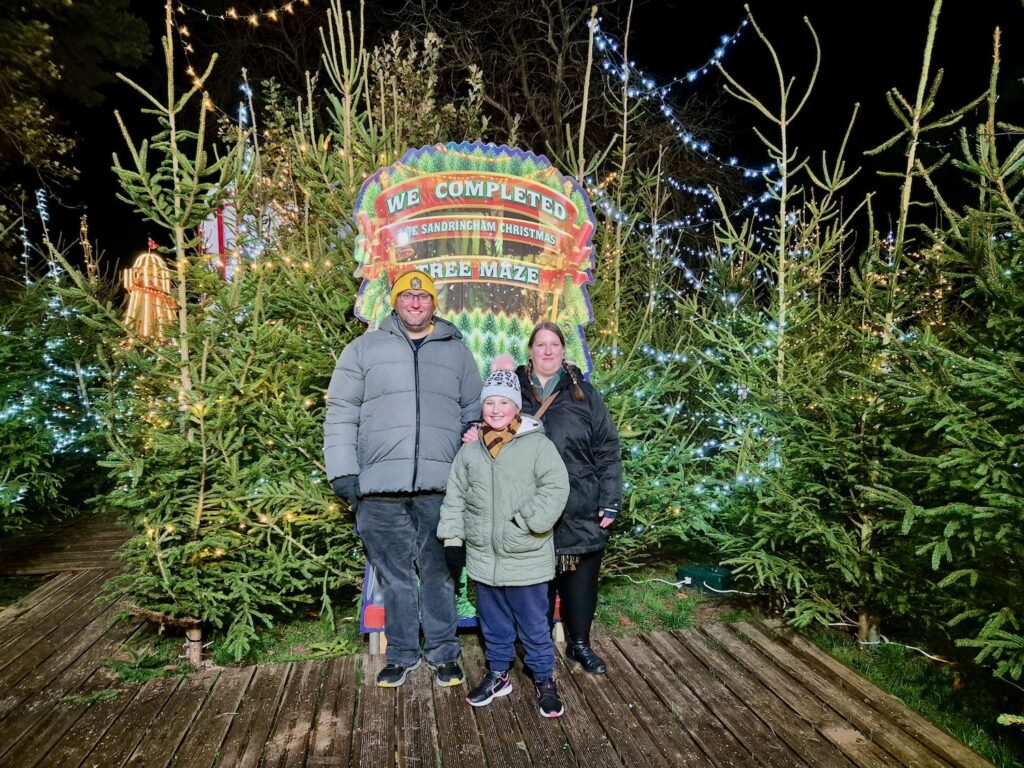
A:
(960, 488)
(50, 425)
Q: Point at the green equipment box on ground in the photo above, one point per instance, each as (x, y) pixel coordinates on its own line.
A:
(707, 578)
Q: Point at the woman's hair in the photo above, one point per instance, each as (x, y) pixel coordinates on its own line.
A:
(547, 325)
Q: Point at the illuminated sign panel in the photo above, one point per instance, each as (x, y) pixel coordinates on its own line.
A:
(506, 237)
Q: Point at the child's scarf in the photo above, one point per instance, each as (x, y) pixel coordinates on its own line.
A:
(495, 439)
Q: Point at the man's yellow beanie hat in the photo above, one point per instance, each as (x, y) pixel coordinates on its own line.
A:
(413, 280)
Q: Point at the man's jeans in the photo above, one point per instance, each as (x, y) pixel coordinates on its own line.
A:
(400, 534)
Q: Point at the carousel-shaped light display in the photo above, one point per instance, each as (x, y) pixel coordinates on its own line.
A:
(150, 304)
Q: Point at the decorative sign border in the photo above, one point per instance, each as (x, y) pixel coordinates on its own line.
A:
(506, 237)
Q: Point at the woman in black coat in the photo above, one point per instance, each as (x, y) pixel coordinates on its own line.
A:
(578, 423)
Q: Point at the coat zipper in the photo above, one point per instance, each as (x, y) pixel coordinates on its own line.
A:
(494, 517)
(416, 378)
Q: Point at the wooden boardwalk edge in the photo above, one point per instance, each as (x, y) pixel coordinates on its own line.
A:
(745, 695)
(912, 722)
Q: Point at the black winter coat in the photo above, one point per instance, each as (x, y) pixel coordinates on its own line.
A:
(588, 443)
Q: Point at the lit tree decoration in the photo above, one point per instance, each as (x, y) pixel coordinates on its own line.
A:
(150, 304)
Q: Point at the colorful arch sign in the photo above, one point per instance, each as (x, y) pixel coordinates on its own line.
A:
(506, 237)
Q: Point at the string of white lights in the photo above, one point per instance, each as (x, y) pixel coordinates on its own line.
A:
(707, 214)
(640, 85)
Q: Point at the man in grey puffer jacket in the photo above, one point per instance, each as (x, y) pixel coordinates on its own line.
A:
(397, 405)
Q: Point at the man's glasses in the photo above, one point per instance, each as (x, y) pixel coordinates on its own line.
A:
(408, 297)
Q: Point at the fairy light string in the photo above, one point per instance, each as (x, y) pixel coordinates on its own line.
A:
(252, 18)
(729, 431)
(64, 387)
(274, 14)
(26, 252)
(643, 87)
(242, 116)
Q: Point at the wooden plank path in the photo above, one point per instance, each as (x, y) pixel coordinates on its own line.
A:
(86, 543)
(722, 696)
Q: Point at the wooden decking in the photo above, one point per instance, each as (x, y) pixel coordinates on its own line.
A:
(724, 695)
(87, 544)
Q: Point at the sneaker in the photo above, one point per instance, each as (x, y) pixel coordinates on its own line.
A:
(493, 685)
(548, 699)
(393, 675)
(448, 674)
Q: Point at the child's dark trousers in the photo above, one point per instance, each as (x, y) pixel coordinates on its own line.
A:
(506, 611)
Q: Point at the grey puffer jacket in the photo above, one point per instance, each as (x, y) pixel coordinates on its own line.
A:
(504, 508)
(395, 412)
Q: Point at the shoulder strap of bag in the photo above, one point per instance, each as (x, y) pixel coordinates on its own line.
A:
(544, 405)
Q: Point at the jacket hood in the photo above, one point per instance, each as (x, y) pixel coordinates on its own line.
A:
(529, 425)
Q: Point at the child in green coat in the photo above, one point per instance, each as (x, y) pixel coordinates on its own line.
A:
(505, 493)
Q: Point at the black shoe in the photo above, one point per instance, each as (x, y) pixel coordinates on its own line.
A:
(493, 685)
(582, 652)
(393, 675)
(448, 674)
(548, 700)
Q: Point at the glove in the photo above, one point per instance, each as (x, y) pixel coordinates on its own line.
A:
(347, 488)
(455, 559)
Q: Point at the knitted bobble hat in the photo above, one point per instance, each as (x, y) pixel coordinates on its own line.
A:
(502, 381)
(414, 280)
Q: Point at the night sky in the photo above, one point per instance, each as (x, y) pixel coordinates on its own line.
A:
(868, 47)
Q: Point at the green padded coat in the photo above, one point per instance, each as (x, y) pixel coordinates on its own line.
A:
(504, 508)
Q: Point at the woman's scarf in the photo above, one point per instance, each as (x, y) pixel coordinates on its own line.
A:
(546, 389)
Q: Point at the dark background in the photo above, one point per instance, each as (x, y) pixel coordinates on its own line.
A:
(867, 47)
